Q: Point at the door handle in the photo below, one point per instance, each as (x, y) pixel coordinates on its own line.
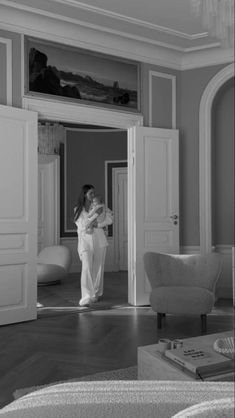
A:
(174, 217)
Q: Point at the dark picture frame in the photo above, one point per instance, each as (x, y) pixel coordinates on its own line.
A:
(73, 74)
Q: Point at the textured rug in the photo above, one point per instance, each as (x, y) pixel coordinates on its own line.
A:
(129, 373)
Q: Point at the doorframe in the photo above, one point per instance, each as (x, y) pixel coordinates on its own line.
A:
(75, 113)
(116, 172)
(205, 145)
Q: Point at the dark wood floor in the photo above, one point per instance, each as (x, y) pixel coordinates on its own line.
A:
(66, 344)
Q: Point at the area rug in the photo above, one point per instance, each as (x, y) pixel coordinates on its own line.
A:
(129, 373)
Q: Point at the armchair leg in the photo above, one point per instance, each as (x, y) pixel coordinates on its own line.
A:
(159, 319)
(203, 323)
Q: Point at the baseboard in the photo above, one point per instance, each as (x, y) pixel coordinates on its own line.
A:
(190, 249)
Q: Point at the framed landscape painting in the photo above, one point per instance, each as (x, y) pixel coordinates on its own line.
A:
(76, 74)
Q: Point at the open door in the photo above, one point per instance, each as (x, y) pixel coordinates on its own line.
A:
(18, 215)
(153, 202)
(48, 200)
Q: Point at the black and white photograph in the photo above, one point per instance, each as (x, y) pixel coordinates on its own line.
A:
(117, 180)
(81, 75)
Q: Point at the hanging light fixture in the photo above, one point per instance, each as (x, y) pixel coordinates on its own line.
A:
(217, 17)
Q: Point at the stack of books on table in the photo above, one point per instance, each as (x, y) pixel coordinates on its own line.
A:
(199, 362)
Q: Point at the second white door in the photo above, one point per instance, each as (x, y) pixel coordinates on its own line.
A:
(153, 197)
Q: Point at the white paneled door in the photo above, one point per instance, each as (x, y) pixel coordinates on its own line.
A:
(120, 217)
(18, 215)
(153, 202)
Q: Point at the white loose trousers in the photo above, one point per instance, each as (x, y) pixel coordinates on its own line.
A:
(92, 252)
(92, 276)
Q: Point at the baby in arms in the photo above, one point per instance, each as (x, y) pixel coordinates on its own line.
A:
(93, 215)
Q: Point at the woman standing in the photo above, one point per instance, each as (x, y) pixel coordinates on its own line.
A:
(92, 244)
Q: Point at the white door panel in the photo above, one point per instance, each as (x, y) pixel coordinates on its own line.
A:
(123, 242)
(18, 215)
(121, 217)
(154, 211)
(48, 200)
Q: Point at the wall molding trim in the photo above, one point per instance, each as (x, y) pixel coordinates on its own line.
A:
(224, 249)
(8, 43)
(205, 145)
(173, 90)
(77, 113)
(190, 249)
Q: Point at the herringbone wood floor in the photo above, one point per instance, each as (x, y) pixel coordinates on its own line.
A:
(65, 345)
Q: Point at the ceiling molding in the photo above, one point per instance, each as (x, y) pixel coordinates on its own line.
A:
(132, 20)
(44, 25)
(87, 38)
(206, 58)
(202, 47)
(110, 15)
(66, 19)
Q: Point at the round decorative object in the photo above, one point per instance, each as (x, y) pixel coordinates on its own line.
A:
(225, 346)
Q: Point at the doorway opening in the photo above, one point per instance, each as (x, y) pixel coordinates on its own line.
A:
(59, 111)
(87, 154)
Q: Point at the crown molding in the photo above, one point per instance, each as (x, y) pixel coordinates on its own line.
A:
(134, 21)
(206, 58)
(110, 15)
(48, 26)
(102, 29)
(44, 27)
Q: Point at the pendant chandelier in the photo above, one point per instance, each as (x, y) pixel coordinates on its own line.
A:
(217, 18)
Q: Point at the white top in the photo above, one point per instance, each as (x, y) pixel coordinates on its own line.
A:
(86, 239)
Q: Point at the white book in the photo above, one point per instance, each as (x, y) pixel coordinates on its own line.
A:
(199, 360)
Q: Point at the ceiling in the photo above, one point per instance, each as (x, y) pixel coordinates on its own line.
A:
(168, 22)
(165, 24)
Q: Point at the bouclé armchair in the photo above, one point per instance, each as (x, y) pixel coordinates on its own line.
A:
(53, 264)
(182, 284)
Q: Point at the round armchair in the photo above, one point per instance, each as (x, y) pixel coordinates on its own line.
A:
(182, 284)
(53, 264)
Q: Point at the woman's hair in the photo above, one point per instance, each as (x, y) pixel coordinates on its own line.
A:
(81, 200)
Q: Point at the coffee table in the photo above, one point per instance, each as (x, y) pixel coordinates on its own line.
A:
(153, 365)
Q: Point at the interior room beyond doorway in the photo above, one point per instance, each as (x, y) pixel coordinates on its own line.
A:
(87, 154)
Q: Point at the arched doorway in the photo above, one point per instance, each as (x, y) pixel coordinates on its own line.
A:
(205, 192)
